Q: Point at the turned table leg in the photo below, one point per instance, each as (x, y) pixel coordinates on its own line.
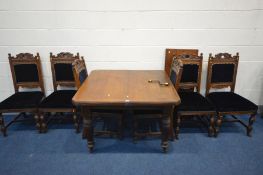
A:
(166, 128)
(87, 127)
(172, 134)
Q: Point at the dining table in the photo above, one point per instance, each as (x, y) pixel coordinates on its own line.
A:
(127, 90)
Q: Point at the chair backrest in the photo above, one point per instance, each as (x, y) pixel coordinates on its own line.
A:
(192, 71)
(222, 71)
(171, 53)
(80, 71)
(176, 72)
(61, 66)
(26, 71)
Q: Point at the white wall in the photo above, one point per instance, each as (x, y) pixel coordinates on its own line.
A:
(133, 34)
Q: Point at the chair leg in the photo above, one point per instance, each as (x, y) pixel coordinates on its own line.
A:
(218, 124)
(160, 125)
(38, 124)
(211, 126)
(252, 119)
(79, 121)
(120, 126)
(177, 129)
(135, 129)
(43, 124)
(2, 125)
(75, 120)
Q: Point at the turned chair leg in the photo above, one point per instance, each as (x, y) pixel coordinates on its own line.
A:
(2, 125)
(120, 127)
(177, 129)
(76, 121)
(38, 124)
(211, 129)
(252, 119)
(135, 129)
(218, 124)
(79, 121)
(43, 124)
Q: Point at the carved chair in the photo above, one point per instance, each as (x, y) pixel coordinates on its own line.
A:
(192, 102)
(80, 74)
(26, 73)
(154, 116)
(222, 71)
(60, 101)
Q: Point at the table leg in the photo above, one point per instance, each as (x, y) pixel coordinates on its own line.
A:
(172, 135)
(87, 127)
(166, 127)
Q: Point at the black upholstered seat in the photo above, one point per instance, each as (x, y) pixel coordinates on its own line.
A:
(194, 101)
(22, 100)
(230, 102)
(59, 99)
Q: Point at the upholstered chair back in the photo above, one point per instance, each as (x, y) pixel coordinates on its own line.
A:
(26, 71)
(192, 70)
(222, 71)
(80, 71)
(61, 66)
(176, 72)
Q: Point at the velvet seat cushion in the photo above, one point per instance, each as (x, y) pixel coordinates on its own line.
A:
(83, 75)
(22, 100)
(173, 77)
(230, 101)
(59, 99)
(194, 101)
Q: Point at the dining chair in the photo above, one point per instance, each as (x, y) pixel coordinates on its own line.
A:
(222, 72)
(193, 104)
(80, 75)
(60, 101)
(27, 77)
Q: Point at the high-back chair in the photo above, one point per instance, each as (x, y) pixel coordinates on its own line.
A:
(60, 101)
(80, 74)
(155, 115)
(192, 102)
(222, 71)
(26, 73)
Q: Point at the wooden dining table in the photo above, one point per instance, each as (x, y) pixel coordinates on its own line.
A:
(127, 90)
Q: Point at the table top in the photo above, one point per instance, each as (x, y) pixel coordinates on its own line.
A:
(126, 87)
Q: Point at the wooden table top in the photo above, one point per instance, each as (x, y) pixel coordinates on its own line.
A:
(126, 87)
